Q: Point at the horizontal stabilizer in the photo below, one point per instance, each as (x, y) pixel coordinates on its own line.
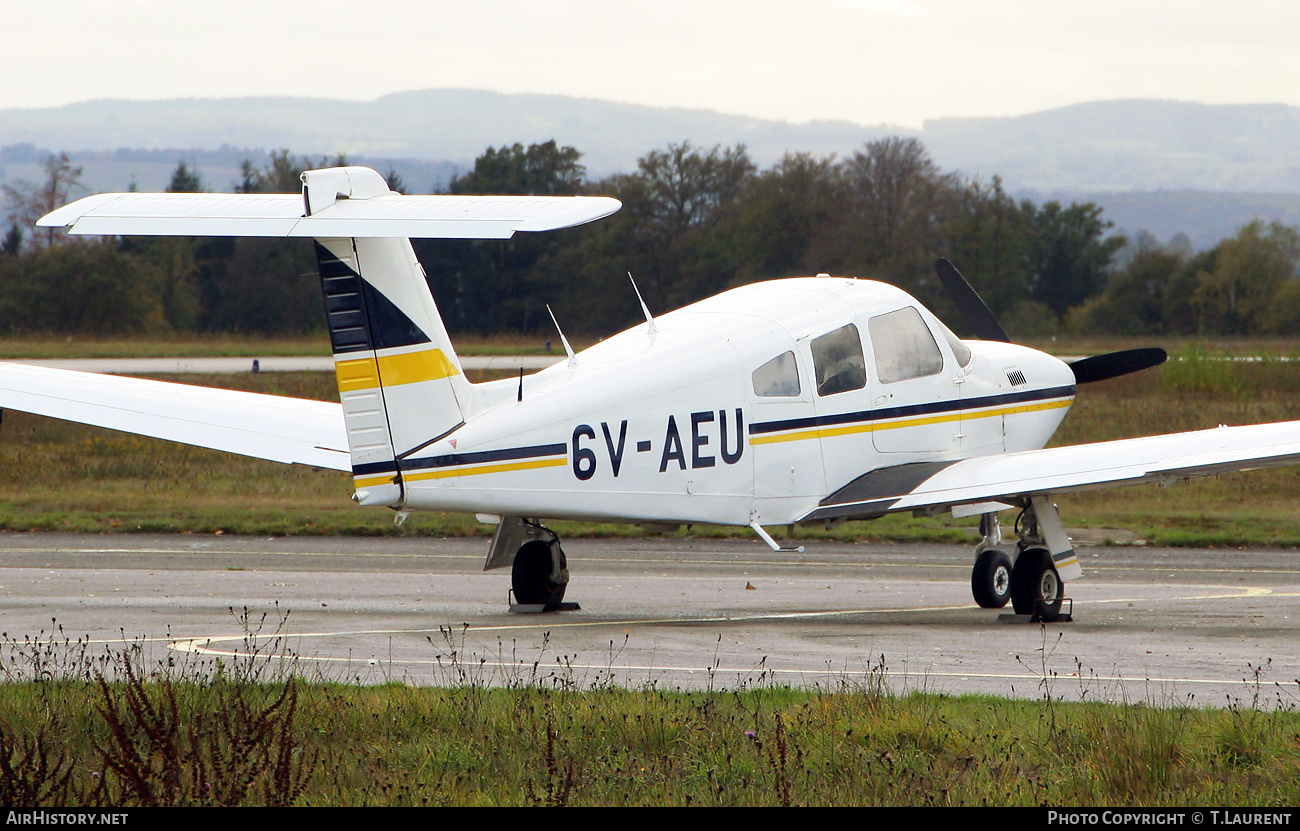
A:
(273, 427)
(438, 216)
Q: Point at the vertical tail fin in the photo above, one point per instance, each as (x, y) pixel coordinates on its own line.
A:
(400, 382)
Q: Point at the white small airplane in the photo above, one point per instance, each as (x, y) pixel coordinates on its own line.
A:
(805, 400)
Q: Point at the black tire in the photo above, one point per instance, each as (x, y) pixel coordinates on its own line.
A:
(990, 579)
(530, 575)
(1036, 588)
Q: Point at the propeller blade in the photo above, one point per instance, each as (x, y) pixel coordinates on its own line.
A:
(1115, 364)
(986, 327)
(968, 302)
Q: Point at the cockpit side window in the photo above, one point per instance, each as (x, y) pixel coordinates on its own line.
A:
(904, 346)
(778, 376)
(838, 361)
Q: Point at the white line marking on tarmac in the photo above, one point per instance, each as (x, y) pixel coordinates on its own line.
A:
(194, 644)
(210, 646)
(685, 556)
(544, 669)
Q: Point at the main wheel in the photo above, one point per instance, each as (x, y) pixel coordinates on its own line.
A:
(531, 575)
(1035, 585)
(990, 579)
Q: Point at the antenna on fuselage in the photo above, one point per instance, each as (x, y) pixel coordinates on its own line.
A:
(649, 319)
(568, 350)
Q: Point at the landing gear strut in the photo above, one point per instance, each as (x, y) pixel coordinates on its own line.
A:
(1037, 585)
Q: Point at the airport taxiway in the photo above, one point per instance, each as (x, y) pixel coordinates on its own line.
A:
(1154, 625)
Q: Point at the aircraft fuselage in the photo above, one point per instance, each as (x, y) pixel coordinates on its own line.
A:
(747, 407)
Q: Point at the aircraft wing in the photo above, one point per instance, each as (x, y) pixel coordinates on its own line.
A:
(1004, 477)
(282, 215)
(274, 427)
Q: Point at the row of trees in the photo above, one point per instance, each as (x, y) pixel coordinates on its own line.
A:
(693, 223)
(1245, 285)
(50, 282)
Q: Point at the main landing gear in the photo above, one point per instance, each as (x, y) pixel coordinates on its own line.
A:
(1036, 589)
(539, 572)
(1032, 582)
(990, 580)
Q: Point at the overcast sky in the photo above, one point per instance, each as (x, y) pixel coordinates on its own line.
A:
(868, 61)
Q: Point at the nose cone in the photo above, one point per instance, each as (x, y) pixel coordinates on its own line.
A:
(1044, 396)
(1048, 370)
(1031, 390)
(1034, 370)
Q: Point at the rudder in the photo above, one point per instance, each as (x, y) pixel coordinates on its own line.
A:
(399, 380)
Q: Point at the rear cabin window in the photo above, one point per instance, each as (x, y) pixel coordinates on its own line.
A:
(838, 361)
(778, 376)
(904, 346)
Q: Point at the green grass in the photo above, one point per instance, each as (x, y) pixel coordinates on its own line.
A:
(207, 346)
(1195, 390)
(1080, 345)
(116, 730)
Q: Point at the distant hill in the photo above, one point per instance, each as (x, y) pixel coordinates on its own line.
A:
(1204, 216)
(1129, 145)
(443, 125)
(1162, 166)
(151, 170)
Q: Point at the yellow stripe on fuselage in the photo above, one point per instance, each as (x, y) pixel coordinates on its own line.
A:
(480, 469)
(392, 370)
(502, 467)
(872, 426)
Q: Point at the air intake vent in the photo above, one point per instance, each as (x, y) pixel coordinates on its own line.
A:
(1016, 377)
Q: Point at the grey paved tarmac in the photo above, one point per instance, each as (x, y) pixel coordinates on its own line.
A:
(1156, 625)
